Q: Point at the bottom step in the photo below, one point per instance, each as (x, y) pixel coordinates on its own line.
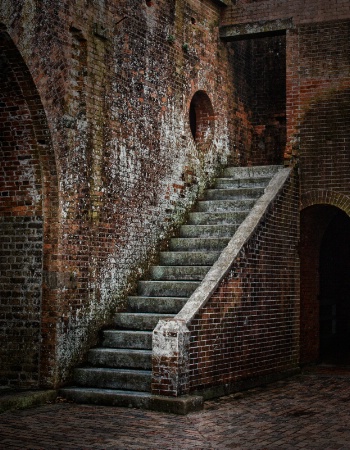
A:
(112, 397)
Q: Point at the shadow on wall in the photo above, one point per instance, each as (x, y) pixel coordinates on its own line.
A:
(26, 164)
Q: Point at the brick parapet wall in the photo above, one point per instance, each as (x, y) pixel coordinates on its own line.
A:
(250, 326)
(243, 320)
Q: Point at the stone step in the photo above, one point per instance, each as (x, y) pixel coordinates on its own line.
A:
(233, 193)
(215, 243)
(224, 205)
(207, 230)
(179, 273)
(131, 399)
(167, 288)
(120, 358)
(127, 339)
(106, 378)
(163, 305)
(216, 218)
(139, 321)
(222, 183)
(250, 172)
(195, 258)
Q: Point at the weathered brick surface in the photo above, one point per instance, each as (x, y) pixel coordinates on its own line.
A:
(317, 112)
(95, 128)
(245, 11)
(27, 192)
(115, 80)
(322, 139)
(250, 325)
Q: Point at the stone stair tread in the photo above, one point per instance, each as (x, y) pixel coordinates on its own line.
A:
(207, 231)
(139, 321)
(121, 351)
(132, 314)
(250, 171)
(224, 205)
(243, 181)
(113, 370)
(165, 305)
(166, 288)
(145, 400)
(237, 192)
(120, 358)
(114, 378)
(217, 217)
(179, 273)
(210, 243)
(193, 257)
(136, 339)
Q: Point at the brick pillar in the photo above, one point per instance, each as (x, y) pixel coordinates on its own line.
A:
(170, 360)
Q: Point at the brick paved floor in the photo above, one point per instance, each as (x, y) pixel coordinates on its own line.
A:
(305, 412)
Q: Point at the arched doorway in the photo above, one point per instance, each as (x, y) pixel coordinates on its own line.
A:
(324, 294)
(335, 291)
(28, 193)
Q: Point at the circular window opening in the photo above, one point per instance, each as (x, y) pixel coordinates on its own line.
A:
(201, 116)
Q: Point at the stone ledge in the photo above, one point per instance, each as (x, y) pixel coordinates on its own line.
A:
(252, 29)
(26, 399)
(132, 399)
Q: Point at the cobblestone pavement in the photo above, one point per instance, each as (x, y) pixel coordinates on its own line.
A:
(305, 412)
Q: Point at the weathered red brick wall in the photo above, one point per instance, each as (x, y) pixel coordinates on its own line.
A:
(110, 84)
(115, 79)
(248, 11)
(318, 114)
(324, 144)
(250, 326)
(26, 172)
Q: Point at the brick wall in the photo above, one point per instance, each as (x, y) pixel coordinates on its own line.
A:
(21, 227)
(243, 11)
(110, 84)
(115, 79)
(317, 112)
(250, 326)
(21, 247)
(323, 147)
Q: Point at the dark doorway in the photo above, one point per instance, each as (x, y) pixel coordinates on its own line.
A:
(325, 283)
(259, 103)
(335, 291)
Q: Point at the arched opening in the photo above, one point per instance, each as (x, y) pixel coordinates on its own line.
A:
(201, 118)
(27, 168)
(324, 293)
(335, 291)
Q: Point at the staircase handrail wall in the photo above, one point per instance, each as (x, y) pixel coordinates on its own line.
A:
(171, 337)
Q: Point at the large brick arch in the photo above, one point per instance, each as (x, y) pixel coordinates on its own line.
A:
(28, 221)
(324, 197)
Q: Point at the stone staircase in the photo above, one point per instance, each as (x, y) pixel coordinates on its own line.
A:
(119, 371)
